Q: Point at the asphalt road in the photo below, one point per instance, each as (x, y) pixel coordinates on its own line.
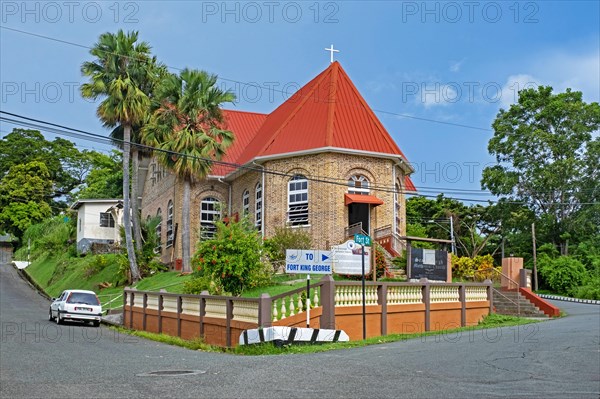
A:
(557, 358)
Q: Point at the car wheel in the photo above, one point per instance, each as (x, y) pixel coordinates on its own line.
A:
(58, 319)
(50, 315)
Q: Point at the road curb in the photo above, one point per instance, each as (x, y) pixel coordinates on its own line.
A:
(568, 299)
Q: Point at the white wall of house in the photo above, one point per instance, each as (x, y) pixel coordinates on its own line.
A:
(89, 220)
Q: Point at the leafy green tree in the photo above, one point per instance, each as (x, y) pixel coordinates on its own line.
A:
(231, 262)
(105, 179)
(286, 238)
(117, 74)
(66, 165)
(186, 127)
(543, 147)
(23, 194)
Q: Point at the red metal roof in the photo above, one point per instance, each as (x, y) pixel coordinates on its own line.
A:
(244, 126)
(362, 199)
(327, 112)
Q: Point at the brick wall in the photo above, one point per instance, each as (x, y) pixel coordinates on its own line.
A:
(328, 216)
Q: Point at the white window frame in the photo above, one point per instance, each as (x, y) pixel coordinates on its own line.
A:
(208, 217)
(258, 206)
(359, 184)
(109, 222)
(397, 207)
(297, 201)
(170, 237)
(158, 230)
(246, 203)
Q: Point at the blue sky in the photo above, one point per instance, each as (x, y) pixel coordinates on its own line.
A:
(436, 73)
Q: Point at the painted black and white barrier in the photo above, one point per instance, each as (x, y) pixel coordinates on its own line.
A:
(568, 299)
(292, 335)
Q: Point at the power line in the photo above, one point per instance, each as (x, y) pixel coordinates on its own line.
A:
(234, 166)
(384, 112)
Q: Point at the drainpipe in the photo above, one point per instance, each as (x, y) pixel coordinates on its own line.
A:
(262, 198)
(395, 195)
(229, 196)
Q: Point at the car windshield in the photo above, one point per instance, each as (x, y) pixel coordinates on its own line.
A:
(83, 298)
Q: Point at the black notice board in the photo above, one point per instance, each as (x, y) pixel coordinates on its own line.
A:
(423, 266)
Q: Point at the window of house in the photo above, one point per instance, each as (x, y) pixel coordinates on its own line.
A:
(246, 203)
(258, 207)
(298, 201)
(170, 236)
(358, 184)
(106, 220)
(158, 248)
(209, 214)
(397, 207)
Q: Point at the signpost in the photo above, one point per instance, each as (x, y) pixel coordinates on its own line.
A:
(308, 261)
(364, 241)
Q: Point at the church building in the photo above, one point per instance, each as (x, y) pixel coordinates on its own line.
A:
(321, 162)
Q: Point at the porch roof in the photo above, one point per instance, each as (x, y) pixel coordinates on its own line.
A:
(361, 199)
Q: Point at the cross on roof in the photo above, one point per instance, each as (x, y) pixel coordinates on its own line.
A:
(332, 50)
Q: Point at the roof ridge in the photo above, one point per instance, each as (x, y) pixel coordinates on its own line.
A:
(245, 112)
(372, 115)
(317, 80)
(332, 105)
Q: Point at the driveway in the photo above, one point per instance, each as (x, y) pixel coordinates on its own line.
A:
(557, 358)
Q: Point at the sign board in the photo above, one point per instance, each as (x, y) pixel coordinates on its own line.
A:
(347, 258)
(362, 239)
(308, 261)
(428, 263)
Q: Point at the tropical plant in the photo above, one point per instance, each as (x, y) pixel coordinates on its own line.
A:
(187, 130)
(231, 262)
(117, 74)
(286, 238)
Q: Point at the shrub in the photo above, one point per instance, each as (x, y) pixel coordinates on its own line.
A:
(478, 268)
(283, 239)
(230, 262)
(562, 274)
(590, 290)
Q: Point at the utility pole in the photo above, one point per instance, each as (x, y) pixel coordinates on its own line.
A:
(535, 276)
(452, 235)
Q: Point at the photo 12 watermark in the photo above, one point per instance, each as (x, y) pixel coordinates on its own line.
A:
(253, 12)
(54, 12)
(445, 93)
(47, 332)
(453, 12)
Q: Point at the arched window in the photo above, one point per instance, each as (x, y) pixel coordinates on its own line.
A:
(298, 201)
(209, 214)
(397, 207)
(158, 248)
(258, 207)
(246, 203)
(358, 184)
(170, 235)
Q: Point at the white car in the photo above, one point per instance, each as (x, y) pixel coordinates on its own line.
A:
(76, 305)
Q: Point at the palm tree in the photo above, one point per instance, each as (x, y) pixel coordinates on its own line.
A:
(116, 75)
(187, 129)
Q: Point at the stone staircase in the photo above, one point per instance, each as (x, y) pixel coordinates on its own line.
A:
(505, 302)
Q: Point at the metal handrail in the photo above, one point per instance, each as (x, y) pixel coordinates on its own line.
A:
(511, 281)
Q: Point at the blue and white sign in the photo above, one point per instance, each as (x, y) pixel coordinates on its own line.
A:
(308, 261)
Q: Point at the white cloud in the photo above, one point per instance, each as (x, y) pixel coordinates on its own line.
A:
(456, 65)
(515, 83)
(561, 70)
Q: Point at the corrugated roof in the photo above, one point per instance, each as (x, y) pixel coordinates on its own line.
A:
(244, 126)
(327, 112)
